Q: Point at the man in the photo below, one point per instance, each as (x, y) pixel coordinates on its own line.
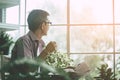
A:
(31, 45)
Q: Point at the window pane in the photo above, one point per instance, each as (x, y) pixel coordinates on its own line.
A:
(93, 62)
(117, 38)
(91, 39)
(23, 30)
(57, 9)
(91, 11)
(117, 11)
(57, 34)
(12, 15)
(22, 12)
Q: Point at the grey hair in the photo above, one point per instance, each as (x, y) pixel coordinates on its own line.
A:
(36, 18)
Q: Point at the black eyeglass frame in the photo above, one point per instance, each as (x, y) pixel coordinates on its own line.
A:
(47, 22)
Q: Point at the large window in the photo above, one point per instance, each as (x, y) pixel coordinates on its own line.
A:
(88, 30)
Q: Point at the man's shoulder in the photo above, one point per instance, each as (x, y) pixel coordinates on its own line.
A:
(25, 38)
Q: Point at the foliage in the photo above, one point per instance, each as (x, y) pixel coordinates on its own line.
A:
(59, 60)
(31, 70)
(117, 66)
(105, 73)
(5, 42)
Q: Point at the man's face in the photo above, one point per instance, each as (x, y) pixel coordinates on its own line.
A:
(45, 27)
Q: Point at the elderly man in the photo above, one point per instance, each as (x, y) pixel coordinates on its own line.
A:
(31, 45)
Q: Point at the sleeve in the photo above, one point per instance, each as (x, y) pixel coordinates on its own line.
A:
(22, 49)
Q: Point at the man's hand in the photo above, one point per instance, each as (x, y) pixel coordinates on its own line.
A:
(51, 47)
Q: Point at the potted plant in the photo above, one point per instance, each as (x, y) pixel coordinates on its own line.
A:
(5, 42)
(59, 60)
(105, 73)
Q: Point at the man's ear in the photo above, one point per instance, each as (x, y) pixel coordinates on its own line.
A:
(42, 27)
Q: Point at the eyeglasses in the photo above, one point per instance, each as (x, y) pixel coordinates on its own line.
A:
(48, 22)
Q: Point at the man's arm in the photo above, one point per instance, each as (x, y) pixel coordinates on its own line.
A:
(21, 50)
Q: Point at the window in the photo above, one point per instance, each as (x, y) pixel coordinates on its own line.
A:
(84, 28)
(12, 15)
